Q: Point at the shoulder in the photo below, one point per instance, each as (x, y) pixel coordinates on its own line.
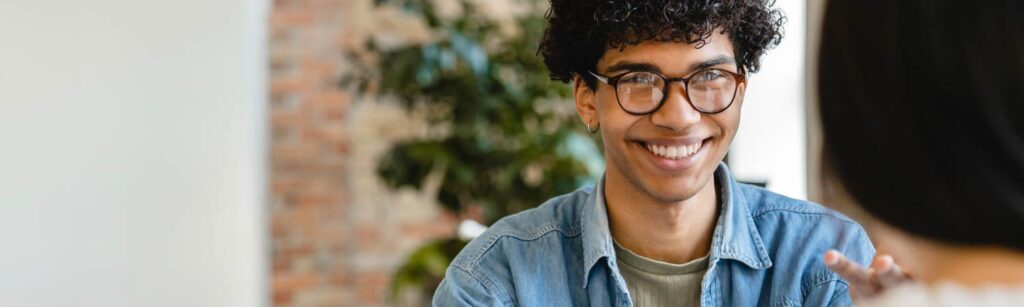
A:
(518, 253)
(798, 233)
(762, 202)
(789, 217)
(558, 218)
(781, 215)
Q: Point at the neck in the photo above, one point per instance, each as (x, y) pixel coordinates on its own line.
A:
(674, 232)
(932, 262)
(970, 266)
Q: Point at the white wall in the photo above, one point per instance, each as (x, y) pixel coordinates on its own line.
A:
(815, 16)
(132, 163)
(770, 144)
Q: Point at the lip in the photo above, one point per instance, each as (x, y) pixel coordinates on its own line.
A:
(673, 166)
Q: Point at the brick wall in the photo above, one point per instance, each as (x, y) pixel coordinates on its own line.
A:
(337, 235)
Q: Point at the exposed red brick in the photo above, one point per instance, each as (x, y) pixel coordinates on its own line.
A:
(323, 254)
(292, 17)
(290, 283)
(372, 287)
(282, 298)
(432, 230)
(290, 85)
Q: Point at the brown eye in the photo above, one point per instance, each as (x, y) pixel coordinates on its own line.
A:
(708, 75)
(640, 78)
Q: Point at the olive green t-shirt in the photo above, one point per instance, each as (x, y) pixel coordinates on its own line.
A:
(656, 283)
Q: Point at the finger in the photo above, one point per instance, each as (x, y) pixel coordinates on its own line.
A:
(887, 273)
(857, 276)
(849, 270)
(882, 263)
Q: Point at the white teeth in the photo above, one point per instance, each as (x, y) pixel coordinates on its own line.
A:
(674, 152)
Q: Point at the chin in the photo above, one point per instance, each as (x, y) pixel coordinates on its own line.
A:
(674, 191)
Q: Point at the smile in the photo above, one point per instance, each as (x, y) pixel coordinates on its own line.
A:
(674, 152)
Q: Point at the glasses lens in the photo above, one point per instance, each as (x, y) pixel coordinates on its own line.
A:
(711, 90)
(640, 92)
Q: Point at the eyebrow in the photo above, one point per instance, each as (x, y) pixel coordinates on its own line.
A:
(640, 66)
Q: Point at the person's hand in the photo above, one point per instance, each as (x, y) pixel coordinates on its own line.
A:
(867, 282)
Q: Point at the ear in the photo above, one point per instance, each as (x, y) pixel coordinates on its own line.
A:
(585, 106)
(741, 92)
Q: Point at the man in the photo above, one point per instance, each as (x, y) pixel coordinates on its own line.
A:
(663, 83)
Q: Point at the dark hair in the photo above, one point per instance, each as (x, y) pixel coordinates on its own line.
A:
(922, 104)
(579, 32)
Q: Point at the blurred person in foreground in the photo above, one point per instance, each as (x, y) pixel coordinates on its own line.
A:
(922, 104)
(663, 83)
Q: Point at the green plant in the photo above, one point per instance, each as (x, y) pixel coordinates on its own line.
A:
(425, 267)
(509, 137)
(512, 139)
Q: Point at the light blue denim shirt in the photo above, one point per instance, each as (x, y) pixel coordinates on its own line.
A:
(766, 250)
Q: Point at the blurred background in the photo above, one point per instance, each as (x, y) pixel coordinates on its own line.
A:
(302, 152)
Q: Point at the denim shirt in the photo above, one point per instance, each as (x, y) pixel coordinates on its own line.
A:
(766, 250)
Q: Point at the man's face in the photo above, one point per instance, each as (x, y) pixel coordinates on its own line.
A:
(628, 139)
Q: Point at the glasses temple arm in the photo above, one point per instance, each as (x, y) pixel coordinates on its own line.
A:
(599, 77)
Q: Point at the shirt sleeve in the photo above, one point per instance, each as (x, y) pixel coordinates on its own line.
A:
(460, 288)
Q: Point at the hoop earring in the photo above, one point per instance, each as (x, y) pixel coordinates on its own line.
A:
(593, 130)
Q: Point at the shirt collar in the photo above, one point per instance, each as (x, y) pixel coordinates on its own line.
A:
(735, 236)
(597, 236)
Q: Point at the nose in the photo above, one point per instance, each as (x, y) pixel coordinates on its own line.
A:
(677, 113)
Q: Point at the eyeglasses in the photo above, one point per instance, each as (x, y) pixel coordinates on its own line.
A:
(709, 91)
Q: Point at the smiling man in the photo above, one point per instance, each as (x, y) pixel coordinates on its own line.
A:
(663, 83)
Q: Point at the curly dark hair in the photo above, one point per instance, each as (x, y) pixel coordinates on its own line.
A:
(580, 31)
